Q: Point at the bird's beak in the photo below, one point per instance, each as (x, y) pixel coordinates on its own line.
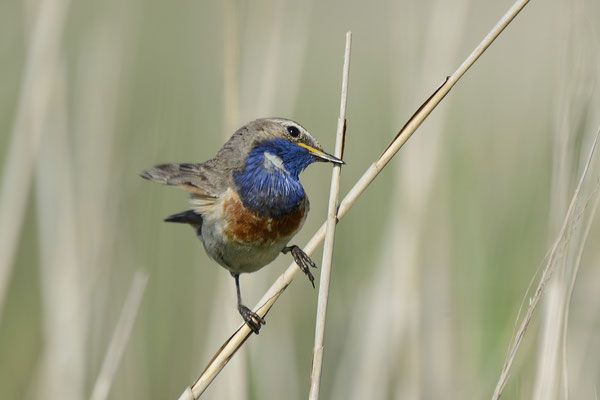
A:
(321, 155)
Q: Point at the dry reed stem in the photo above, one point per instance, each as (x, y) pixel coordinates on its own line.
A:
(64, 284)
(231, 61)
(71, 183)
(121, 335)
(419, 309)
(228, 349)
(546, 273)
(576, 87)
(31, 113)
(565, 323)
(317, 363)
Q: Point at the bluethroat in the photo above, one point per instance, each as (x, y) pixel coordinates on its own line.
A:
(247, 202)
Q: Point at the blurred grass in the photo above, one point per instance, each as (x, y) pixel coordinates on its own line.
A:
(143, 84)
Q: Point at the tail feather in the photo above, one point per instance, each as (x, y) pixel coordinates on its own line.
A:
(161, 173)
(186, 217)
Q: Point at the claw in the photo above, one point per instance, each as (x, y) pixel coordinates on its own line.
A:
(252, 319)
(303, 261)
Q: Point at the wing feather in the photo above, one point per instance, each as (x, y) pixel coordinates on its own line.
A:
(198, 179)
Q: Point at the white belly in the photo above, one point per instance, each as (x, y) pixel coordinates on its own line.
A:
(241, 240)
(238, 257)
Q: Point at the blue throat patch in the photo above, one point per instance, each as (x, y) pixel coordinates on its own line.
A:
(269, 183)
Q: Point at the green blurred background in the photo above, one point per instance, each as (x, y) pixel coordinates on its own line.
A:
(431, 265)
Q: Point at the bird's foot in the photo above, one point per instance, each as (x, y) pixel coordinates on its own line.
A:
(303, 261)
(252, 319)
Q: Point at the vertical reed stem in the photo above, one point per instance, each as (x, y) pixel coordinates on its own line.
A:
(317, 363)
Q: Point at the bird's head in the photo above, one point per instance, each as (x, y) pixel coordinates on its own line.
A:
(269, 155)
(282, 143)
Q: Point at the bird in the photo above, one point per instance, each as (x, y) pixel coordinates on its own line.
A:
(247, 202)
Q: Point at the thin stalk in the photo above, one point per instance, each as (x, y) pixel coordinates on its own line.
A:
(35, 97)
(560, 240)
(571, 287)
(227, 350)
(121, 335)
(317, 363)
(231, 62)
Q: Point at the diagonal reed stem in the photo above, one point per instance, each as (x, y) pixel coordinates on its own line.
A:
(317, 363)
(546, 273)
(228, 349)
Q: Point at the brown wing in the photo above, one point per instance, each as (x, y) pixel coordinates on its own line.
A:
(198, 179)
(208, 179)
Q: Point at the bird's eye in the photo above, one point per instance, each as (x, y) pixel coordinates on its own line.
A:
(293, 131)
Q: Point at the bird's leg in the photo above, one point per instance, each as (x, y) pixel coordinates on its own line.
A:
(303, 261)
(252, 319)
